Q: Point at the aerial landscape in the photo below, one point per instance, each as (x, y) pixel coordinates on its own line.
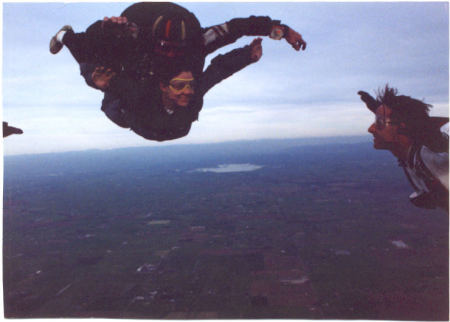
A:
(304, 229)
(225, 160)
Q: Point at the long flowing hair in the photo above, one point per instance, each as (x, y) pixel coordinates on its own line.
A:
(413, 112)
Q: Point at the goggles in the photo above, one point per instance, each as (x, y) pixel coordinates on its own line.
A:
(178, 85)
(381, 122)
(169, 48)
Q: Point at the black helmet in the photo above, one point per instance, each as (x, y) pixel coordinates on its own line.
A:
(164, 21)
(176, 28)
(174, 34)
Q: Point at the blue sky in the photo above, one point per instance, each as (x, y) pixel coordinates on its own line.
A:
(351, 46)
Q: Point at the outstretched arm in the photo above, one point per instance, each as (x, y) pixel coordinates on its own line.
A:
(221, 35)
(223, 66)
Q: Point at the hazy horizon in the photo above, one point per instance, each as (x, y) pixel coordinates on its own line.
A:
(295, 142)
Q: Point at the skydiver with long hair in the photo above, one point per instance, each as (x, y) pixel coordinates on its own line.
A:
(418, 141)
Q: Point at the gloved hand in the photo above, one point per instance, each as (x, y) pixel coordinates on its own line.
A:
(8, 130)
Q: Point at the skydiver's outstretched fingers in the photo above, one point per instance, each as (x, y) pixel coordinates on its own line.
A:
(302, 44)
(116, 20)
(121, 20)
(256, 49)
(295, 39)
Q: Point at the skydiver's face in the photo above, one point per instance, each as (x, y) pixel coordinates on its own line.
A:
(384, 129)
(180, 90)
